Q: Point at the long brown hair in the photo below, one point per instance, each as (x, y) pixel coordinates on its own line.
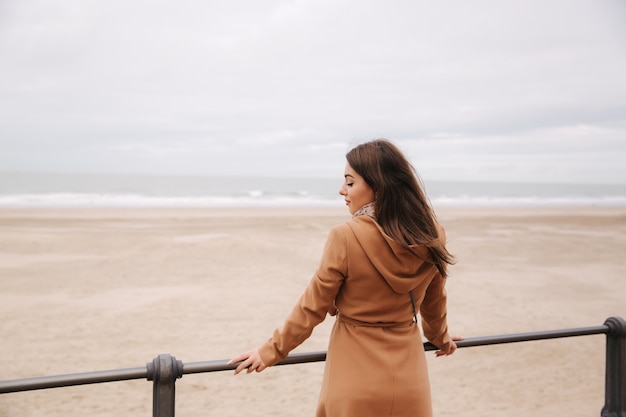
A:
(401, 206)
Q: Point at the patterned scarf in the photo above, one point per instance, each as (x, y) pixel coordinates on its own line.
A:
(367, 209)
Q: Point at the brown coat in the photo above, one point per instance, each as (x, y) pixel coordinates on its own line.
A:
(375, 364)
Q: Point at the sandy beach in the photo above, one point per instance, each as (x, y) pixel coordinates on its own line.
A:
(97, 289)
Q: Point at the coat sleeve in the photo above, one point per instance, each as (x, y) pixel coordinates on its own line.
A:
(317, 300)
(433, 312)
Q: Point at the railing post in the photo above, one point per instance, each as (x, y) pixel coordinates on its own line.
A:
(163, 371)
(615, 382)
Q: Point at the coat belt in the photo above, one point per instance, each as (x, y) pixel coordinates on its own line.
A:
(353, 322)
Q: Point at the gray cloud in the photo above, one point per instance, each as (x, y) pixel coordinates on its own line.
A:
(472, 90)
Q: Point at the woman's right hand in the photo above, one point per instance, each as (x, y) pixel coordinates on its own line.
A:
(250, 360)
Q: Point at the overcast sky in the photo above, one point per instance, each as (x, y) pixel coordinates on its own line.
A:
(527, 90)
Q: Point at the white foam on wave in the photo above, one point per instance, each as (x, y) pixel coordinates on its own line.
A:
(70, 200)
(574, 201)
(87, 200)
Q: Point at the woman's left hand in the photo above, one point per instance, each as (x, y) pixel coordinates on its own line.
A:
(451, 347)
(250, 360)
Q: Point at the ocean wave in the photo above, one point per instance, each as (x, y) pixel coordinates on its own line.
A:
(71, 200)
(260, 199)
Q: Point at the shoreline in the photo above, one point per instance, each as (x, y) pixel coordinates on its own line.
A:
(199, 212)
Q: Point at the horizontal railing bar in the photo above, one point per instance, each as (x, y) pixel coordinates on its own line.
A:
(223, 365)
(57, 381)
(295, 358)
(526, 337)
(207, 366)
(68, 380)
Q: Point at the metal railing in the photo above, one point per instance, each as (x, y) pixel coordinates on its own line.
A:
(165, 369)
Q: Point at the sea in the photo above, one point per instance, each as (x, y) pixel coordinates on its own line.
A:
(43, 190)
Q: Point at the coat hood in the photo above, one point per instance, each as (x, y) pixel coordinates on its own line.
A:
(403, 268)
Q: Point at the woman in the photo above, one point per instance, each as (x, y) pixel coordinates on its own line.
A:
(378, 270)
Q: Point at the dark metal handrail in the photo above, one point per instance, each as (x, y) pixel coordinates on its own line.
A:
(84, 378)
(165, 369)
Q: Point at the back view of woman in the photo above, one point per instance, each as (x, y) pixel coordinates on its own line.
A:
(377, 272)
